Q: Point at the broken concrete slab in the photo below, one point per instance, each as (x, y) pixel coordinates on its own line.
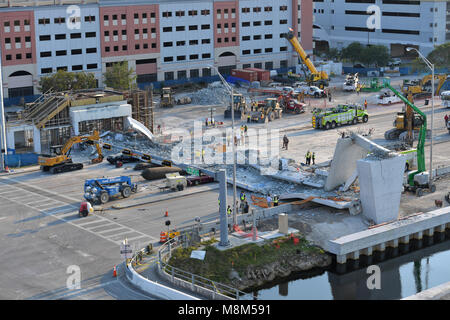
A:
(381, 183)
(343, 165)
(320, 199)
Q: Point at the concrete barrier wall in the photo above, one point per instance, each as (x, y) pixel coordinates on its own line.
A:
(386, 233)
(154, 288)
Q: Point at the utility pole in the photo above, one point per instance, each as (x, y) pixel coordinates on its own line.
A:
(4, 148)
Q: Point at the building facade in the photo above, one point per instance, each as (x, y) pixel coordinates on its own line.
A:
(420, 24)
(161, 40)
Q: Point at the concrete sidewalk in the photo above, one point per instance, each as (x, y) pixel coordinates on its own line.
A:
(20, 170)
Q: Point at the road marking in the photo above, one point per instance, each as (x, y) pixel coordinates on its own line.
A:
(48, 211)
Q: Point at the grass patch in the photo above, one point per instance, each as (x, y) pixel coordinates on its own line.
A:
(217, 264)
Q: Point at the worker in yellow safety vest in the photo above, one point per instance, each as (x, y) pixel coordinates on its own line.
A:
(229, 210)
(275, 201)
(308, 158)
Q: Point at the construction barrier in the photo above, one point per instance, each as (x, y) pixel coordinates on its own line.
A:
(163, 237)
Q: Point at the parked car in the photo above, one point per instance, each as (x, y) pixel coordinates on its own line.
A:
(299, 84)
(122, 158)
(196, 180)
(312, 91)
(287, 90)
(275, 84)
(395, 62)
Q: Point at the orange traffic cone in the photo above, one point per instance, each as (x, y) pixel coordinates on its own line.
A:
(114, 272)
(166, 214)
(6, 169)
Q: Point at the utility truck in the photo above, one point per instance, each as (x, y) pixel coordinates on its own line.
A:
(331, 118)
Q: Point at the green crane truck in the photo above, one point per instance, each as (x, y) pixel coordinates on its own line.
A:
(417, 180)
(330, 118)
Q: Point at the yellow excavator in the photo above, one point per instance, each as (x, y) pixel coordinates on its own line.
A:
(60, 160)
(422, 87)
(315, 78)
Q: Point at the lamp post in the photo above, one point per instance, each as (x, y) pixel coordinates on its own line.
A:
(230, 89)
(3, 147)
(431, 66)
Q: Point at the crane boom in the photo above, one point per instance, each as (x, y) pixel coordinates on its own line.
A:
(422, 133)
(316, 76)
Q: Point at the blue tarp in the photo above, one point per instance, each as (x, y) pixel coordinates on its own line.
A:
(21, 159)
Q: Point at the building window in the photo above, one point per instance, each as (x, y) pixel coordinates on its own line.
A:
(60, 20)
(267, 50)
(90, 35)
(179, 13)
(77, 67)
(257, 9)
(61, 52)
(167, 44)
(61, 68)
(180, 28)
(136, 47)
(76, 51)
(245, 24)
(91, 50)
(18, 56)
(193, 28)
(89, 19)
(268, 65)
(245, 10)
(256, 23)
(258, 65)
(181, 43)
(182, 74)
(283, 64)
(116, 48)
(194, 73)
(168, 59)
(268, 22)
(246, 65)
(181, 58)
(167, 14)
(168, 76)
(8, 57)
(153, 45)
(283, 48)
(167, 29)
(145, 46)
(267, 9)
(245, 38)
(206, 56)
(193, 42)
(257, 37)
(205, 12)
(44, 38)
(46, 70)
(284, 21)
(192, 12)
(283, 8)
(257, 51)
(75, 35)
(107, 49)
(124, 48)
(205, 26)
(60, 36)
(244, 52)
(44, 21)
(28, 55)
(268, 36)
(219, 40)
(91, 66)
(193, 57)
(206, 41)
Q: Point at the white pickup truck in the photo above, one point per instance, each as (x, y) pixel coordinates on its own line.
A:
(387, 97)
(312, 91)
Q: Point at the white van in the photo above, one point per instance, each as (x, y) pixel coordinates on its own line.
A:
(445, 97)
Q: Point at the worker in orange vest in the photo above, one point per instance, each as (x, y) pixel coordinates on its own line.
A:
(365, 104)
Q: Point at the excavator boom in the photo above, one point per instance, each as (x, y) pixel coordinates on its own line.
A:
(422, 131)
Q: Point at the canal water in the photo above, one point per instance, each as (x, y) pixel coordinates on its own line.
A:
(411, 269)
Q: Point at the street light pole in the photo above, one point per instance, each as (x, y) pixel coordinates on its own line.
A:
(3, 123)
(230, 89)
(431, 66)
